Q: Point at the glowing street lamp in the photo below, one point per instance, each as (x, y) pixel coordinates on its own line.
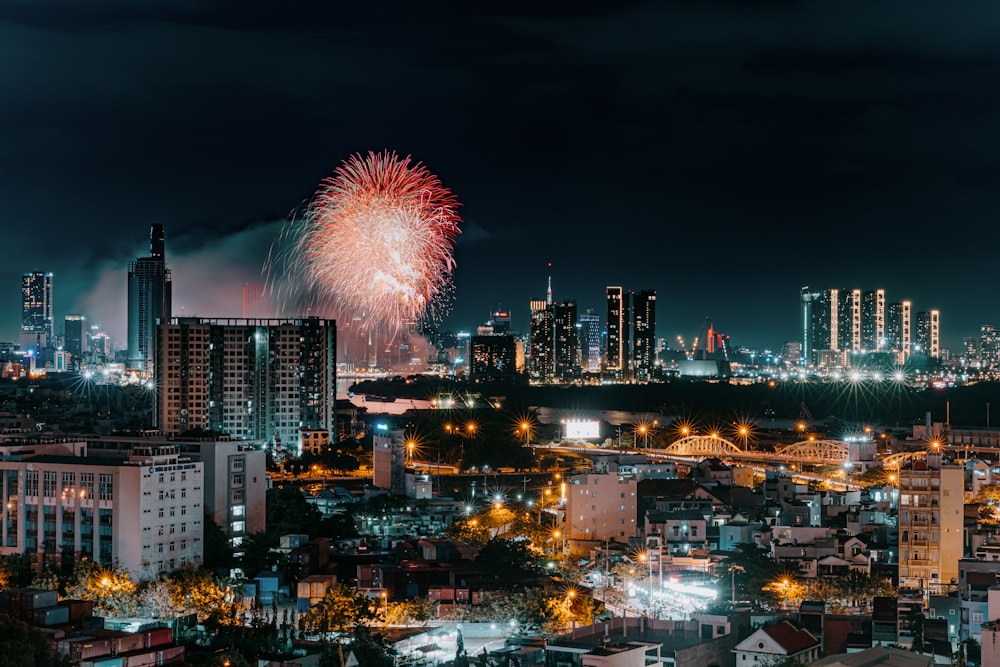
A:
(526, 430)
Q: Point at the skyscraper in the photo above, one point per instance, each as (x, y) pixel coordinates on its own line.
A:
(75, 335)
(149, 300)
(619, 349)
(36, 312)
(542, 335)
(873, 320)
(644, 334)
(590, 341)
(928, 333)
(251, 379)
(565, 338)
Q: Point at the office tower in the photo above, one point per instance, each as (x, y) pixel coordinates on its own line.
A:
(565, 337)
(542, 339)
(149, 301)
(873, 320)
(644, 333)
(143, 514)
(75, 335)
(492, 358)
(989, 346)
(927, 337)
(931, 523)
(253, 379)
(36, 312)
(590, 341)
(619, 348)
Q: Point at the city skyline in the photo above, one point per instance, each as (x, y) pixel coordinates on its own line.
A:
(723, 156)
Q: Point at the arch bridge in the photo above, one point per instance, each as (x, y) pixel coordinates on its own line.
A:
(821, 452)
(703, 446)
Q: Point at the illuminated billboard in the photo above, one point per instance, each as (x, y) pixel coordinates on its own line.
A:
(582, 429)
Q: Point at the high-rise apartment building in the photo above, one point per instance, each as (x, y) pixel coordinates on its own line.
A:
(989, 346)
(36, 312)
(838, 321)
(75, 335)
(143, 514)
(149, 302)
(644, 333)
(619, 317)
(931, 522)
(873, 337)
(590, 341)
(927, 337)
(251, 379)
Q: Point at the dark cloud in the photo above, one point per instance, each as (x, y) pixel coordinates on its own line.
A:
(723, 153)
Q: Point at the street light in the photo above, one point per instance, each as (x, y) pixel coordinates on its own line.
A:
(644, 432)
(526, 430)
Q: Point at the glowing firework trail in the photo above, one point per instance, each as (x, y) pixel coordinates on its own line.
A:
(377, 240)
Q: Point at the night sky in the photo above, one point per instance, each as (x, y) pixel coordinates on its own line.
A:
(721, 154)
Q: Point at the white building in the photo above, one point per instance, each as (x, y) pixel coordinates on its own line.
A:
(777, 643)
(143, 514)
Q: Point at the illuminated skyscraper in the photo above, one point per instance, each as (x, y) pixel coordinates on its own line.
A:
(617, 357)
(542, 339)
(644, 333)
(149, 300)
(590, 341)
(75, 335)
(566, 348)
(873, 320)
(36, 312)
(927, 337)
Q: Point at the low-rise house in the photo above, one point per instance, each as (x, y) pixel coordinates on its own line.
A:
(779, 642)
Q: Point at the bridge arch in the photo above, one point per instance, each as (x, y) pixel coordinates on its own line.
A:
(824, 450)
(703, 446)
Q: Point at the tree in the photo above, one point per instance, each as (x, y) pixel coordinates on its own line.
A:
(110, 589)
(289, 512)
(214, 600)
(15, 571)
(340, 609)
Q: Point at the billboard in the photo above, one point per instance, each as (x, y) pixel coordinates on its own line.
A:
(582, 429)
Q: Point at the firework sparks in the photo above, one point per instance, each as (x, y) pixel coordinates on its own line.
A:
(376, 241)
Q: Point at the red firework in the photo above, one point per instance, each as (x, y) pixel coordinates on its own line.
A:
(377, 240)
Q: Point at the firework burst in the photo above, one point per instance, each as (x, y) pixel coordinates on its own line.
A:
(376, 241)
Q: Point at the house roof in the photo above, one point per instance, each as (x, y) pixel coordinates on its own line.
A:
(791, 638)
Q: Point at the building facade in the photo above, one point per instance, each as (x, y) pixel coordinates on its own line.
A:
(644, 334)
(149, 302)
(143, 514)
(249, 379)
(601, 506)
(618, 349)
(931, 523)
(36, 312)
